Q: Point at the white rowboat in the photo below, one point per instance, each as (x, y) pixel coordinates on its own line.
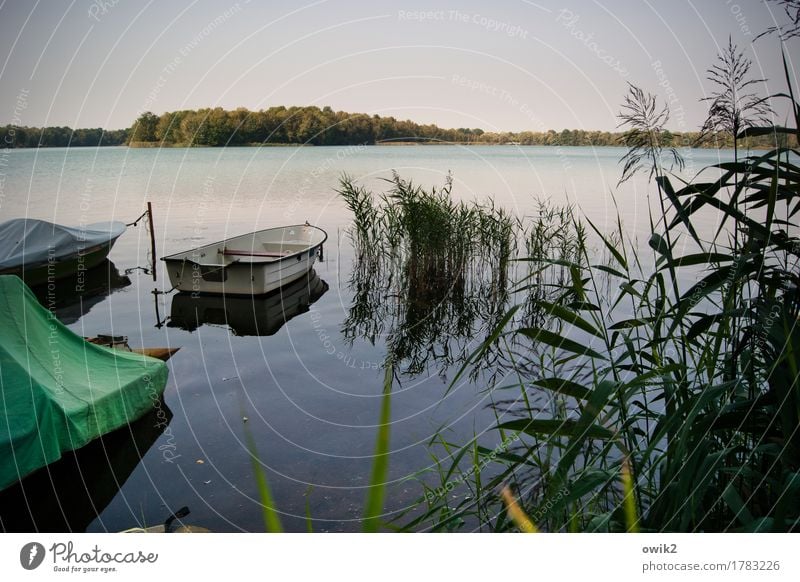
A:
(250, 264)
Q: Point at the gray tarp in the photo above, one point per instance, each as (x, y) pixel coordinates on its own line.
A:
(30, 241)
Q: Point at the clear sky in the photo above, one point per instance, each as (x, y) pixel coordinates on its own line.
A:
(504, 65)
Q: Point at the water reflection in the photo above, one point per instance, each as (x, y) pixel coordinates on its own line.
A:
(69, 494)
(427, 311)
(436, 300)
(247, 316)
(73, 297)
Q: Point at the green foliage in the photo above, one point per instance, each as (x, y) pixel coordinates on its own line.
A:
(144, 128)
(293, 125)
(664, 395)
(314, 126)
(445, 266)
(373, 507)
(444, 262)
(30, 137)
(272, 521)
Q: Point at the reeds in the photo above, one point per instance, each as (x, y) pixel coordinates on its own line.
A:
(646, 403)
(429, 270)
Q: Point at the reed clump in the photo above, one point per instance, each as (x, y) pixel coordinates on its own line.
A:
(434, 274)
(428, 268)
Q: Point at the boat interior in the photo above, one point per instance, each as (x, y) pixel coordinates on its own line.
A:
(261, 247)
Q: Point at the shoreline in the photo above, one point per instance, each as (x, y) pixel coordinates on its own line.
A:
(153, 145)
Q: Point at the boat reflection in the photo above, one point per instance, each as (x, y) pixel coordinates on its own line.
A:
(74, 296)
(247, 316)
(69, 494)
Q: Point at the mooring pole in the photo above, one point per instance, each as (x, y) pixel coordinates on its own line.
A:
(159, 324)
(152, 238)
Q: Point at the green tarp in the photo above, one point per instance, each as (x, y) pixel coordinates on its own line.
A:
(57, 391)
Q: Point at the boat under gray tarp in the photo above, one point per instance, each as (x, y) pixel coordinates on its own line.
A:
(38, 250)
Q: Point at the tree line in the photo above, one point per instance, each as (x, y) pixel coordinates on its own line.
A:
(32, 137)
(314, 126)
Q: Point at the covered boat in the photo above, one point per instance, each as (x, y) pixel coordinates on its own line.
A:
(71, 493)
(250, 264)
(57, 391)
(40, 251)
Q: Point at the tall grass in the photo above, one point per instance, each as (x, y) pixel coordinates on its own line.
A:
(648, 403)
(432, 273)
(645, 404)
(428, 271)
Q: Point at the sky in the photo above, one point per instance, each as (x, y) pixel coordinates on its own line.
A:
(509, 65)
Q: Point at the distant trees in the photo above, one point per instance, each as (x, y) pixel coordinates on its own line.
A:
(315, 126)
(282, 125)
(31, 137)
(144, 128)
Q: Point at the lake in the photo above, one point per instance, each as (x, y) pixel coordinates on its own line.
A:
(307, 392)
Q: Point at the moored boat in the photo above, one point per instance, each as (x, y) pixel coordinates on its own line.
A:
(41, 252)
(72, 492)
(59, 392)
(251, 264)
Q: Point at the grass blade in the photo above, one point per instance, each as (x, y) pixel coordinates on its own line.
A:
(373, 508)
(631, 513)
(518, 516)
(555, 340)
(272, 522)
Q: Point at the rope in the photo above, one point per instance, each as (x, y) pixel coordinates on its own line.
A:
(136, 222)
(167, 292)
(150, 259)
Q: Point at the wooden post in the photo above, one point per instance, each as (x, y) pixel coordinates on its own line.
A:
(159, 324)
(152, 239)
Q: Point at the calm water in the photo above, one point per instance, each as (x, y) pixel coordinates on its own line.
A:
(309, 396)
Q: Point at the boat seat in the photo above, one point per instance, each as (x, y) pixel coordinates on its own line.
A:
(254, 254)
(212, 265)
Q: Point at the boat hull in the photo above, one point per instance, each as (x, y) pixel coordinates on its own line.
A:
(252, 264)
(41, 252)
(60, 269)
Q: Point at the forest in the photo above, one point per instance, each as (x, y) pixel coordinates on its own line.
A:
(325, 127)
(32, 137)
